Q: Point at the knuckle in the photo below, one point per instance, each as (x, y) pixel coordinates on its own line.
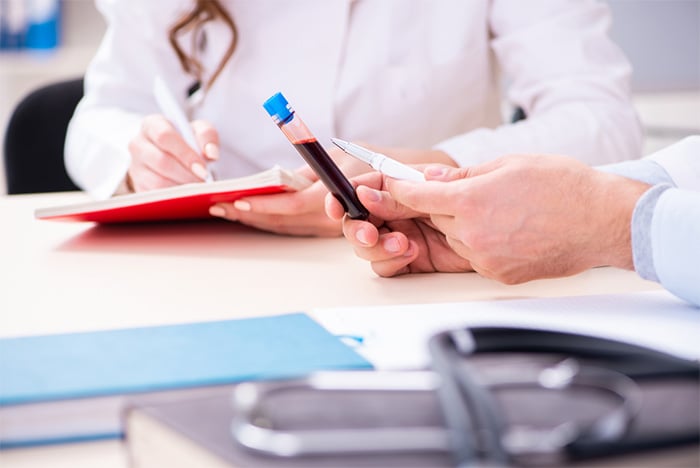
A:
(134, 146)
(160, 136)
(160, 163)
(295, 205)
(204, 130)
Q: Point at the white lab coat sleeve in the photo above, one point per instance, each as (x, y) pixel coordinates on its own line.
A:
(118, 91)
(571, 80)
(675, 240)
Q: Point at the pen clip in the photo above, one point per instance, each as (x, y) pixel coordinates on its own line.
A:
(195, 98)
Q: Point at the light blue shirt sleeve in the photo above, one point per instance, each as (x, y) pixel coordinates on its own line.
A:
(642, 217)
(644, 170)
(677, 165)
(666, 219)
(675, 242)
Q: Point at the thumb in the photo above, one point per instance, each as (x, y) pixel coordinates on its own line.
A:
(383, 205)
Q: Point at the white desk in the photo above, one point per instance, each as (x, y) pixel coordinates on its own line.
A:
(62, 277)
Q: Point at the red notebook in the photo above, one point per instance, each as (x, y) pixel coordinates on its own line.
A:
(183, 202)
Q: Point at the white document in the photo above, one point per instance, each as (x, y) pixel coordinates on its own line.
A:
(395, 337)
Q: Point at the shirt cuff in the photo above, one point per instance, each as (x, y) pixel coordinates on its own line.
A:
(643, 170)
(641, 232)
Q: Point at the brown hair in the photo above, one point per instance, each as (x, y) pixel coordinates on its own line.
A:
(202, 12)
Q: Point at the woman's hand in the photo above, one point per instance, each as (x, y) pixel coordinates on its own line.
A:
(292, 213)
(160, 157)
(302, 213)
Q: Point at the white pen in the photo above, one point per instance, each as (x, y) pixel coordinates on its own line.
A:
(176, 115)
(380, 162)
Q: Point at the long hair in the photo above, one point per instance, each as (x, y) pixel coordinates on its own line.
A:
(202, 12)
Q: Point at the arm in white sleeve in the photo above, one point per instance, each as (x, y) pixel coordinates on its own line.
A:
(118, 91)
(568, 76)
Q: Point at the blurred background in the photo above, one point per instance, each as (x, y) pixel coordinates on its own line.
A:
(660, 37)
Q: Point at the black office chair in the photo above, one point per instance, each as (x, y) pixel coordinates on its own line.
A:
(35, 136)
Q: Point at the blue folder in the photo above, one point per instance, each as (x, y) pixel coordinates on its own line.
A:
(72, 369)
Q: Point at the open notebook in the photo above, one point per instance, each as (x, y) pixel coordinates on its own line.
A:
(653, 319)
(182, 202)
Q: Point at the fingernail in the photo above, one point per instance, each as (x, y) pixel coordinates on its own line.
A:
(435, 171)
(211, 151)
(391, 245)
(217, 211)
(199, 170)
(361, 235)
(241, 205)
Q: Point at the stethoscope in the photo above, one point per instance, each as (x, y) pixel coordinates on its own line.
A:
(475, 431)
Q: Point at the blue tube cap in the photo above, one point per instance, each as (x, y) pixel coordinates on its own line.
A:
(278, 108)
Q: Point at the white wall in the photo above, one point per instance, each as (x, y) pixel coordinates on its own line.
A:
(662, 41)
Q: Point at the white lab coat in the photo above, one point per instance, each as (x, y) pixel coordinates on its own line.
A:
(407, 73)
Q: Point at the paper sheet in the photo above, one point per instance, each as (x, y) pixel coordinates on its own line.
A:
(395, 337)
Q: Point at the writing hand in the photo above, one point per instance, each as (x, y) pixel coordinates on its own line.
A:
(160, 157)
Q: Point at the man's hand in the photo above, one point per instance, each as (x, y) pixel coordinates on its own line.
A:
(396, 239)
(521, 218)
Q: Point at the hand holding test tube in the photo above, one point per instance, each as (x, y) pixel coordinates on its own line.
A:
(315, 155)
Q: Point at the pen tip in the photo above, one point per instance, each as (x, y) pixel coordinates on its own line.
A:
(339, 143)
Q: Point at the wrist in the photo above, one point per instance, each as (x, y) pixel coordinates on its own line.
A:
(617, 199)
